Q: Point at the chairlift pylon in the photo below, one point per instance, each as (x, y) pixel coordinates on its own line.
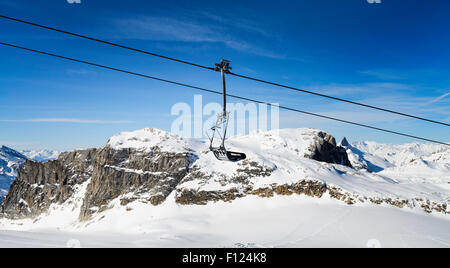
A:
(221, 125)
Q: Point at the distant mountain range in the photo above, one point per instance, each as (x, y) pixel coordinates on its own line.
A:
(41, 156)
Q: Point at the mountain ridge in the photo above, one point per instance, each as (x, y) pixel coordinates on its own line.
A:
(149, 165)
(10, 163)
(12, 160)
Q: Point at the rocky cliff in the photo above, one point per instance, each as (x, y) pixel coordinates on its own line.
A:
(10, 163)
(39, 185)
(133, 175)
(149, 165)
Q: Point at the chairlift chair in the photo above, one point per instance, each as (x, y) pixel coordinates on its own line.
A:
(221, 125)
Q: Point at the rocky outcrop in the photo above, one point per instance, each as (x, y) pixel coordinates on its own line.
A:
(303, 187)
(326, 150)
(344, 142)
(148, 176)
(39, 185)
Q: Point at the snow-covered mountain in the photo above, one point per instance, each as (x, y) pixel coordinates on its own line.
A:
(10, 162)
(407, 163)
(41, 155)
(297, 187)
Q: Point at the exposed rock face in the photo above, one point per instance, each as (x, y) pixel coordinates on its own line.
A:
(304, 187)
(344, 142)
(149, 176)
(326, 150)
(38, 185)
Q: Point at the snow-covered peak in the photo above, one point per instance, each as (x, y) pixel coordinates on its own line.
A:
(41, 156)
(10, 163)
(10, 160)
(147, 139)
(6, 152)
(401, 154)
(297, 140)
(407, 163)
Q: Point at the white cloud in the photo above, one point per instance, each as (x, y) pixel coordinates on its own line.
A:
(383, 75)
(160, 28)
(439, 98)
(166, 29)
(79, 71)
(288, 118)
(349, 89)
(239, 23)
(65, 120)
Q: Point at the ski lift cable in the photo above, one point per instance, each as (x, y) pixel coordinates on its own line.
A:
(105, 42)
(221, 93)
(234, 74)
(340, 99)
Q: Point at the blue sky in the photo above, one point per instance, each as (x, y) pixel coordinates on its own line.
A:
(394, 54)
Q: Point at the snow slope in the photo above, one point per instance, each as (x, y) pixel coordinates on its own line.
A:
(147, 139)
(283, 221)
(405, 172)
